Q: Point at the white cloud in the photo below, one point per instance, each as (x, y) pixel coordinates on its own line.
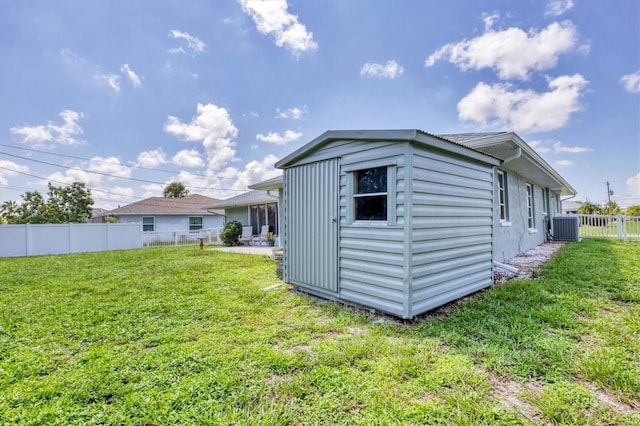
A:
(523, 110)
(64, 134)
(559, 149)
(294, 113)
(538, 147)
(558, 7)
(152, 190)
(279, 139)
(254, 171)
(214, 128)
(110, 166)
(563, 164)
(193, 43)
(631, 82)
(188, 158)
(503, 50)
(9, 168)
(273, 18)
(151, 158)
(111, 80)
(389, 70)
(91, 180)
(633, 190)
(131, 75)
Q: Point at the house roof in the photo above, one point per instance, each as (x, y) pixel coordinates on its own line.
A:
(505, 149)
(193, 204)
(516, 156)
(269, 184)
(245, 199)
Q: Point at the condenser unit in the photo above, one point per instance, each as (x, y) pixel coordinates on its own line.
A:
(565, 228)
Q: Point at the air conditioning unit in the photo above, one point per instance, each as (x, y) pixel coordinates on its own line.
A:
(565, 228)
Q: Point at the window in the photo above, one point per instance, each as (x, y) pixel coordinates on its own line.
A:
(370, 194)
(502, 196)
(264, 214)
(195, 223)
(545, 201)
(530, 218)
(148, 223)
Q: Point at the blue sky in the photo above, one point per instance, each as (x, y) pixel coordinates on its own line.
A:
(127, 96)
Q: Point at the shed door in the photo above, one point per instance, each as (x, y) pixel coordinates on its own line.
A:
(311, 203)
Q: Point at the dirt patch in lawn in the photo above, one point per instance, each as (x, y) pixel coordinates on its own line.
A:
(508, 392)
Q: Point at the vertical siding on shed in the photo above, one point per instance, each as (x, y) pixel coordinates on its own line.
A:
(451, 242)
(311, 240)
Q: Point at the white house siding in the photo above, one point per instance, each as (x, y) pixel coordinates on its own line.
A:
(239, 214)
(173, 223)
(515, 237)
(450, 234)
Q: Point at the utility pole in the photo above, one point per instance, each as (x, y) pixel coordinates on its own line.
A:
(609, 192)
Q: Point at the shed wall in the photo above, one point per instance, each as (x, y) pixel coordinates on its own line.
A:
(451, 228)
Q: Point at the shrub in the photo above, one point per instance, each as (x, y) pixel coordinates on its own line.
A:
(231, 232)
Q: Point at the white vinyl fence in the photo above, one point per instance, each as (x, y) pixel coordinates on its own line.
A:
(33, 240)
(625, 228)
(174, 238)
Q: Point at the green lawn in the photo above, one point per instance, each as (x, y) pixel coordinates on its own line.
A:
(183, 336)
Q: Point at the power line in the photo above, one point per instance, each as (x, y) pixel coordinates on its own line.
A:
(66, 184)
(113, 176)
(101, 161)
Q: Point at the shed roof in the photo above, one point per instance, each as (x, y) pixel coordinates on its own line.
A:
(399, 135)
(245, 199)
(193, 204)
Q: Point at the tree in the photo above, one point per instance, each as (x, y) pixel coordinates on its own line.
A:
(611, 208)
(175, 190)
(589, 208)
(70, 204)
(633, 210)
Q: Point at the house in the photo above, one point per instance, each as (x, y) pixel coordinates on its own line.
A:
(403, 221)
(160, 214)
(571, 207)
(254, 208)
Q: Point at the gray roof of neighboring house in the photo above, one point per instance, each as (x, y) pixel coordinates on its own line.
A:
(246, 199)
(193, 204)
(273, 183)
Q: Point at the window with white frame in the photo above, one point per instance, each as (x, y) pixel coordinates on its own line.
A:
(530, 212)
(148, 223)
(370, 194)
(195, 223)
(545, 201)
(502, 196)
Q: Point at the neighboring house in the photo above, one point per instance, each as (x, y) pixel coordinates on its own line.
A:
(160, 214)
(571, 207)
(404, 221)
(97, 215)
(253, 208)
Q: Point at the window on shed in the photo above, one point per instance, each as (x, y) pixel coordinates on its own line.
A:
(148, 223)
(530, 217)
(370, 194)
(195, 223)
(502, 196)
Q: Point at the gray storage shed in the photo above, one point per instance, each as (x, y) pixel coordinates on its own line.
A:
(395, 220)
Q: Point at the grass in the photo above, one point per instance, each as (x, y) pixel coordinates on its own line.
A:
(182, 336)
